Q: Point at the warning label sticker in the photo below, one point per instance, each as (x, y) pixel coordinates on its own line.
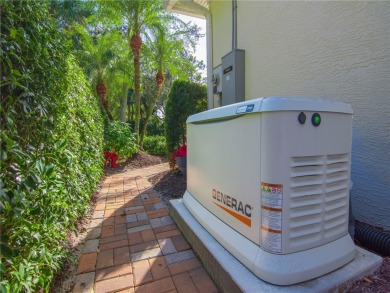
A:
(271, 216)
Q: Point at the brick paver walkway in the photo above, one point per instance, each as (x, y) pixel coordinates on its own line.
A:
(134, 246)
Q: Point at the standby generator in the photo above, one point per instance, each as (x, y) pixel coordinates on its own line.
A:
(269, 179)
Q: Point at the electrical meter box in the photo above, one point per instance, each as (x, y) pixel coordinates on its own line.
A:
(233, 77)
(269, 179)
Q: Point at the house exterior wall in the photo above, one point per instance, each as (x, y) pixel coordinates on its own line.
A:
(222, 30)
(332, 49)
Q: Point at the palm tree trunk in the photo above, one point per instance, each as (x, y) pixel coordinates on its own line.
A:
(101, 91)
(106, 107)
(124, 103)
(137, 94)
(149, 114)
(129, 112)
(135, 45)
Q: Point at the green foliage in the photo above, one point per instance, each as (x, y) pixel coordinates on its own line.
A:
(67, 13)
(97, 55)
(155, 145)
(186, 98)
(51, 146)
(119, 138)
(156, 126)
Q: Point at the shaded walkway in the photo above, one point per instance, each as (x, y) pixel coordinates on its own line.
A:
(133, 245)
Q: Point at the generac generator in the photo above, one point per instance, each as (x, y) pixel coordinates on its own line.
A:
(269, 180)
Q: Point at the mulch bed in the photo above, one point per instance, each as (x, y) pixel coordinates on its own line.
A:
(137, 161)
(172, 184)
(378, 282)
(169, 184)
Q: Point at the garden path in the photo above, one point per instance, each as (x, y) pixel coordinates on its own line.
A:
(133, 245)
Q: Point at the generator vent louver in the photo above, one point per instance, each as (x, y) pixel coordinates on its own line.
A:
(318, 199)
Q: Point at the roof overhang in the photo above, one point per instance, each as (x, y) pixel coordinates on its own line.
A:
(187, 7)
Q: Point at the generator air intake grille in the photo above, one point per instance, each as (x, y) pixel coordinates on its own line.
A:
(319, 190)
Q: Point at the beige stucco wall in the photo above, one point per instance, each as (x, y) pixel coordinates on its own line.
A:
(332, 49)
(222, 30)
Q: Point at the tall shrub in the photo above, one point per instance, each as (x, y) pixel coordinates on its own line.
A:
(51, 146)
(186, 98)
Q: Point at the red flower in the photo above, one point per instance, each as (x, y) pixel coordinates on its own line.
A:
(181, 152)
(110, 158)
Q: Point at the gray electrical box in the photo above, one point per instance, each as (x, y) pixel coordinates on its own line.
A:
(233, 77)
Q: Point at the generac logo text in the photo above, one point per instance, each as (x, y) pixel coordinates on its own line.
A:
(237, 209)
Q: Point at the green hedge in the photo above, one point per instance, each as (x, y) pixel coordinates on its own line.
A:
(51, 146)
(185, 98)
(155, 145)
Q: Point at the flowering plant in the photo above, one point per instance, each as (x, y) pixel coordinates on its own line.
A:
(180, 158)
(181, 152)
(110, 159)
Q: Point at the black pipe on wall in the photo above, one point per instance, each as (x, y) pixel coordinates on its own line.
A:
(373, 239)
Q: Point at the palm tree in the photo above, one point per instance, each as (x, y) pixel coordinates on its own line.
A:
(139, 16)
(167, 51)
(98, 57)
(101, 90)
(121, 76)
(143, 15)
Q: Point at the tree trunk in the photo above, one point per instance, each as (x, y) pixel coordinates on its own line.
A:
(129, 113)
(123, 107)
(137, 94)
(149, 114)
(101, 90)
(107, 108)
(135, 44)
